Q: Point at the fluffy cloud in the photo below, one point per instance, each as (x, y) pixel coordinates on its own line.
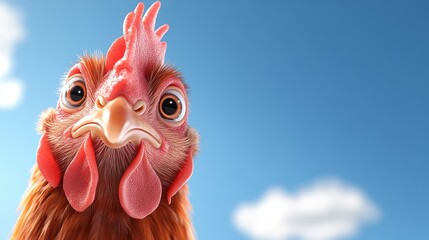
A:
(328, 209)
(11, 32)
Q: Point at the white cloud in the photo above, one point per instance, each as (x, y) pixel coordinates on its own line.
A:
(326, 210)
(11, 32)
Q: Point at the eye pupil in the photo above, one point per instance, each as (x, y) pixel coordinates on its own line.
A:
(169, 106)
(74, 93)
(77, 93)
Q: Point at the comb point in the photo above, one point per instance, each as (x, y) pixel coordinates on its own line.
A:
(139, 9)
(161, 31)
(149, 18)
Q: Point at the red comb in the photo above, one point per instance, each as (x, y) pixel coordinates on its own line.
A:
(140, 46)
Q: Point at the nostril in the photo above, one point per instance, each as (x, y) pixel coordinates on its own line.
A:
(100, 102)
(139, 107)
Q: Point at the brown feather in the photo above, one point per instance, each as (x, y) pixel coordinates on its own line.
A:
(46, 214)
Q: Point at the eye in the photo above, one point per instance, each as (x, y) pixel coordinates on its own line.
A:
(172, 105)
(74, 93)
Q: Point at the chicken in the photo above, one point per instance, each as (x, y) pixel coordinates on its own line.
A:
(116, 153)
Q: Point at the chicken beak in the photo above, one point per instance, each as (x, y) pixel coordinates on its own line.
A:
(116, 124)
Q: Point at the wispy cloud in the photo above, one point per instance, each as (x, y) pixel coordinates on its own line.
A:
(11, 32)
(328, 209)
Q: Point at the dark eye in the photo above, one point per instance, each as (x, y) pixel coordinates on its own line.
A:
(172, 105)
(74, 93)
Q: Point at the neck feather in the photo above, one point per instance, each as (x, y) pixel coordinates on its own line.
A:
(46, 214)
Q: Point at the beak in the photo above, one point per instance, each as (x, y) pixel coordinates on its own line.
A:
(117, 123)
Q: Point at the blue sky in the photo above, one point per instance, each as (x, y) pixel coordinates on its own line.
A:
(282, 93)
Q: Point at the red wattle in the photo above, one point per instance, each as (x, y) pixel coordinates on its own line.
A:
(182, 177)
(140, 187)
(81, 177)
(47, 164)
